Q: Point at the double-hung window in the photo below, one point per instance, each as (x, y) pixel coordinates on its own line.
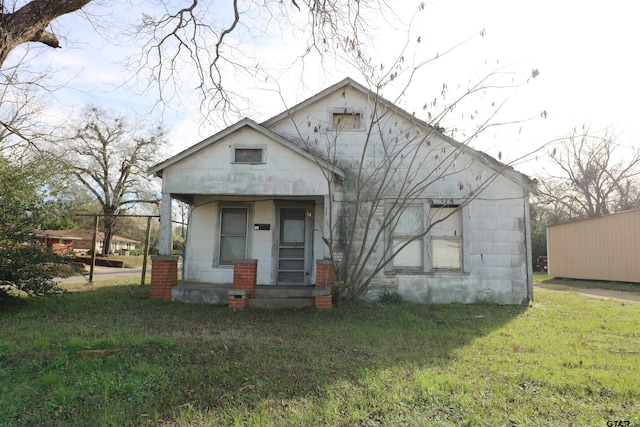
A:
(446, 237)
(407, 246)
(233, 235)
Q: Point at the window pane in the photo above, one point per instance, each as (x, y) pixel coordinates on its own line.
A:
(231, 249)
(292, 226)
(248, 155)
(292, 231)
(234, 221)
(291, 264)
(446, 253)
(346, 121)
(291, 252)
(410, 255)
(451, 226)
(409, 222)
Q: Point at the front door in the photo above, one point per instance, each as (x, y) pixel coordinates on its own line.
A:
(294, 236)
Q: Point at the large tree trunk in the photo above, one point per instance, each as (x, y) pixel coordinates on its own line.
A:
(109, 225)
(29, 23)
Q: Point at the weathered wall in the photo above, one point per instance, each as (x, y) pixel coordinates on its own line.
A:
(495, 266)
(199, 263)
(605, 248)
(211, 171)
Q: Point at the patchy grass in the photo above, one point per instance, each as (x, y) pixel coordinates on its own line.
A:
(105, 355)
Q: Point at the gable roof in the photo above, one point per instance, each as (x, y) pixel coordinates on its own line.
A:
(495, 165)
(246, 122)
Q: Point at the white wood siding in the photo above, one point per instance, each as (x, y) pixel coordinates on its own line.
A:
(211, 171)
(494, 231)
(495, 263)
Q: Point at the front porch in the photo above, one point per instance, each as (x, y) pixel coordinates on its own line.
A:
(243, 292)
(266, 296)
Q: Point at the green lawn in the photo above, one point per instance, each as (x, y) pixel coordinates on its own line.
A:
(105, 355)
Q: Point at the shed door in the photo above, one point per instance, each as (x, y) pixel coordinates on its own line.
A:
(293, 246)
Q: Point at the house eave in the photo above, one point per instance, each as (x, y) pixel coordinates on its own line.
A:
(246, 122)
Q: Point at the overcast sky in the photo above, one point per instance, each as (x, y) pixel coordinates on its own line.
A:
(586, 53)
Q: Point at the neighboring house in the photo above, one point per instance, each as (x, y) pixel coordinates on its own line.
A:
(59, 241)
(602, 248)
(273, 192)
(83, 239)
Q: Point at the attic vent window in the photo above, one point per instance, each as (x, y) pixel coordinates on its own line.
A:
(248, 155)
(346, 121)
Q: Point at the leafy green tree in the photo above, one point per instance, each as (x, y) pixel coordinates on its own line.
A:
(25, 264)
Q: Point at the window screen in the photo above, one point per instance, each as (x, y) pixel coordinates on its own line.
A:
(248, 155)
(410, 225)
(233, 235)
(446, 237)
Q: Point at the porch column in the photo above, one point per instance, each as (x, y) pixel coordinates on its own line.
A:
(164, 267)
(165, 238)
(325, 283)
(245, 275)
(164, 276)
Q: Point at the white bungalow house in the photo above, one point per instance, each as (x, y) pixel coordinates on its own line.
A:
(346, 181)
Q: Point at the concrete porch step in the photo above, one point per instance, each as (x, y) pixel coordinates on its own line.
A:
(280, 302)
(266, 296)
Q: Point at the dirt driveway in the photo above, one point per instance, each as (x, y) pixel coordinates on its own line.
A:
(590, 292)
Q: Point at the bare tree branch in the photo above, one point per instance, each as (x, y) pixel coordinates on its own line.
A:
(28, 24)
(110, 156)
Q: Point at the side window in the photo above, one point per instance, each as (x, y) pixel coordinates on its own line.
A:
(446, 237)
(233, 235)
(410, 224)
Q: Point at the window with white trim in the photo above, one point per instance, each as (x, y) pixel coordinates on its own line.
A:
(446, 237)
(410, 224)
(233, 235)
